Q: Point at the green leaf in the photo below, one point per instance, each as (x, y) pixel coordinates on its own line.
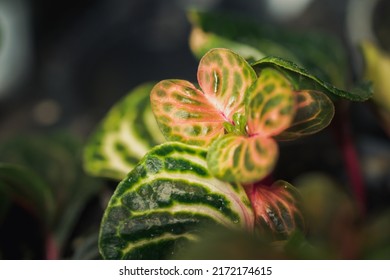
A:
(330, 212)
(201, 42)
(167, 200)
(314, 112)
(277, 208)
(217, 30)
(225, 77)
(322, 54)
(187, 114)
(270, 104)
(251, 156)
(303, 80)
(24, 187)
(127, 132)
(235, 158)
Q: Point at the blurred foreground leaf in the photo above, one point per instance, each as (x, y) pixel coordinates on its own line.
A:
(331, 216)
(376, 237)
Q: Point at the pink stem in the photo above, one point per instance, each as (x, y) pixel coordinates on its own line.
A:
(51, 248)
(351, 161)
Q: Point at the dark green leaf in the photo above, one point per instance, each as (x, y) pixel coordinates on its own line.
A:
(320, 53)
(303, 80)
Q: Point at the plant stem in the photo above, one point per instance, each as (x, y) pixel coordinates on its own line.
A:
(51, 248)
(345, 141)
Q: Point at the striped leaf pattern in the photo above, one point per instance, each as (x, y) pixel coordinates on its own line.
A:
(185, 114)
(271, 104)
(270, 108)
(166, 201)
(225, 77)
(277, 208)
(236, 158)
(123, 137)
(314, 112)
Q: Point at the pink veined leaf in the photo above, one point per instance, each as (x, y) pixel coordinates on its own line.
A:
(314, 112)
(225, 77)
(270, 104)
(184, 114)
(237, 158)
(277, 208)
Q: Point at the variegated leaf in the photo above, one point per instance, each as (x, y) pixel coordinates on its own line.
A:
(185, 114)
(277, 208)
(236, 158)
(167, 200)
(303, 80)
(270, 104)
(225, 77)
(127, 132)
(314, 112)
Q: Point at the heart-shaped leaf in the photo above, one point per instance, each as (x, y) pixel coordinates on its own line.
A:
(187, 114)
(250, 156)
(167, 200)
(277, 208)
(302, 80)
(314, 112)
(225, 77)
(270, 104)
(235, 158)
(127, 132)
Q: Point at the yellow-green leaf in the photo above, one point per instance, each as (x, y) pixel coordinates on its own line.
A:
(270, 104)
(236, 158)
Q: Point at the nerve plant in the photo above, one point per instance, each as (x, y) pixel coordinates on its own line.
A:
(221, 144)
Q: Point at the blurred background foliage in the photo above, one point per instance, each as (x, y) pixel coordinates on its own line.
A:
(63, 64)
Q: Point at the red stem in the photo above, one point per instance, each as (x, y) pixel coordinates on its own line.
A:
(51, 248)
(351, 160)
